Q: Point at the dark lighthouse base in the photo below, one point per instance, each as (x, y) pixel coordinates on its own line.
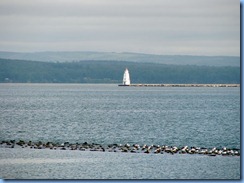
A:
(123, 85)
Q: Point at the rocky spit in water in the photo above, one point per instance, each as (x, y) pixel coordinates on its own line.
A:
(124, 148)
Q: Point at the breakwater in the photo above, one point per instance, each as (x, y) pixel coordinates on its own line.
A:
(184, 85)
(124, 148)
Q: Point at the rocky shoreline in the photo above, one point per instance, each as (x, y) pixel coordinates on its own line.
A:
(124, 148)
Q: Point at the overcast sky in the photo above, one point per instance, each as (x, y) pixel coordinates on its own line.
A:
(168, 27)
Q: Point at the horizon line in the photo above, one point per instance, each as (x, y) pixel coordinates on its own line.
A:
(124, 52)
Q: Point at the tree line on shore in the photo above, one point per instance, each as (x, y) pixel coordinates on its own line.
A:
(21, 71)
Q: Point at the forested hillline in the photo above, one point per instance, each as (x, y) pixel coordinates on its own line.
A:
(70, 56)
(21, 71)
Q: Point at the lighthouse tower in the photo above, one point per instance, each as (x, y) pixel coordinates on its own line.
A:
(126, 78)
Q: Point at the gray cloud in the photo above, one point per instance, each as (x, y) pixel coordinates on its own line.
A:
(197, 27)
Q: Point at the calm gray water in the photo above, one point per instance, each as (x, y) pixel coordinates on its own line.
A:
(48, 164)
(110, 114)
(203, 117)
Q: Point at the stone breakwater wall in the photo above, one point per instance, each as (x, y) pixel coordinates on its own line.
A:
(123, 148)
(185, 85)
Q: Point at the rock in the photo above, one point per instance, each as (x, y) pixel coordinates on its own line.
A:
(110, 150)
(137, 146)
(49, 144)
(144, 147)
(183, 151)
(147, 151)
(167, 150)
(40, 147)
(224, 153)
(21, 142)
(127, 145)
(158, 150)
(39, 143)
(237, 153)
(124, 150)
(82, 149)
(66, 144)
(73, 147)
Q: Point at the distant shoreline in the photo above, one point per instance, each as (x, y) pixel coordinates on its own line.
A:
(183, 85)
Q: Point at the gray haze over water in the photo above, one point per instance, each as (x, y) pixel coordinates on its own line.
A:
(188, 27)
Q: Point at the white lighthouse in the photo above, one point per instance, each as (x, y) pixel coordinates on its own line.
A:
(126, 78)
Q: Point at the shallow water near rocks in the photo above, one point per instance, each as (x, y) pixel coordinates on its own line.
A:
(107, 114)
(45, 164)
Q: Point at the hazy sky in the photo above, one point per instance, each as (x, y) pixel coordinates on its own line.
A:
(189, 27)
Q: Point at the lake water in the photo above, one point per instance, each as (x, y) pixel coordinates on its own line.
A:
(106, 114)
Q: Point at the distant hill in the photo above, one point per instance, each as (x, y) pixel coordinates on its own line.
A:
(21, 71)
(131, 57)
